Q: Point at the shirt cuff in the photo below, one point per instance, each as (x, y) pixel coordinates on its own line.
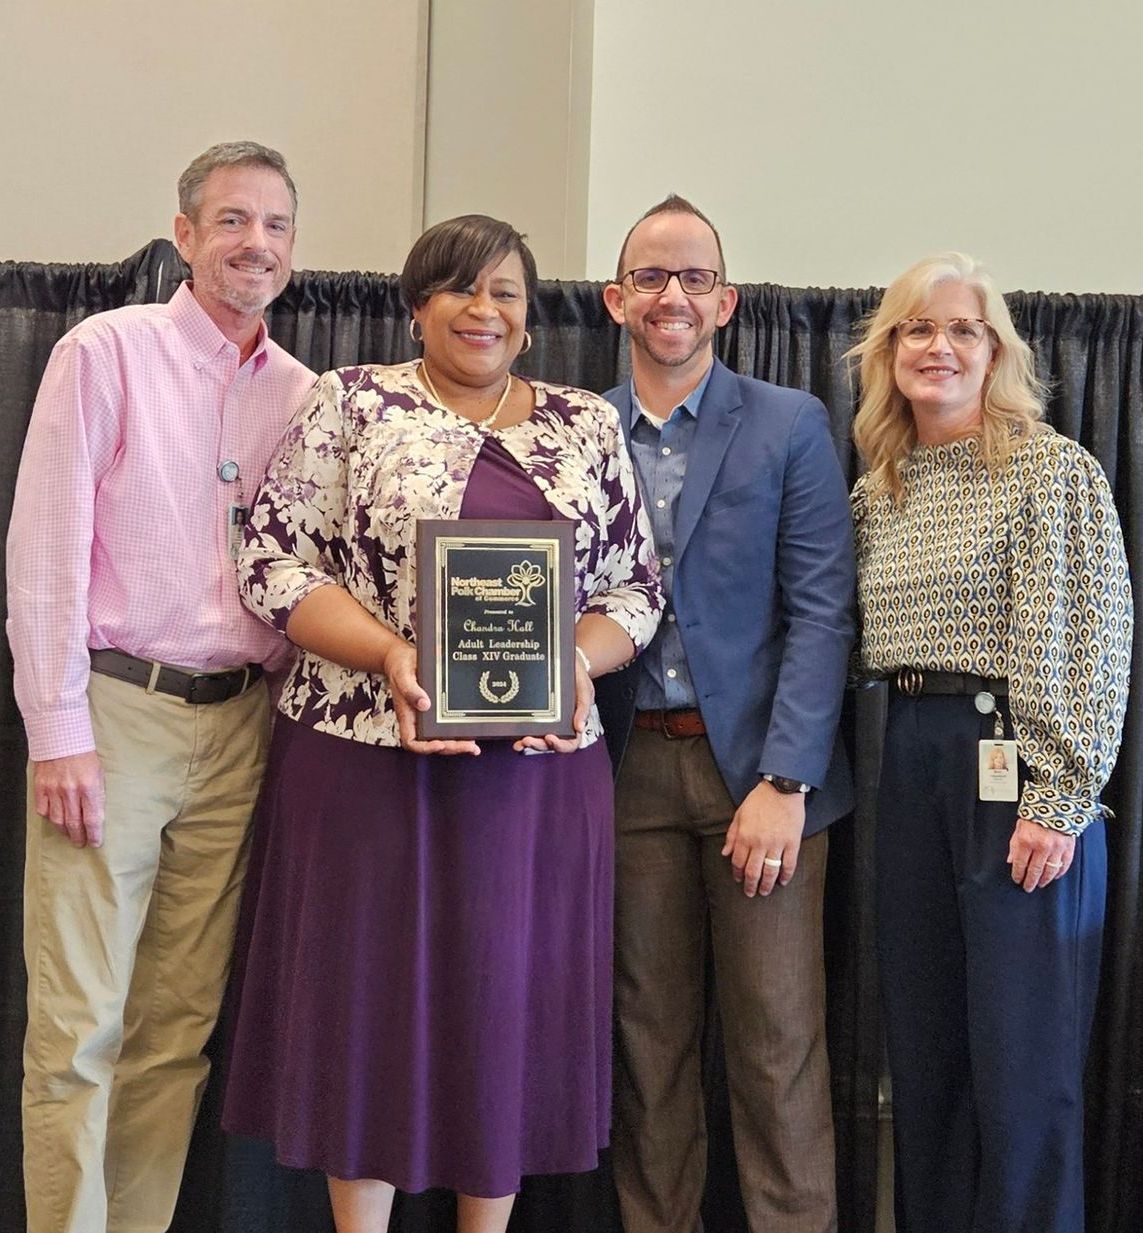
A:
(59, 734)
(1058, 811)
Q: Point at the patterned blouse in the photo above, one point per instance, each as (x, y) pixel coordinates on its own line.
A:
(1021, 574)
(368, 455)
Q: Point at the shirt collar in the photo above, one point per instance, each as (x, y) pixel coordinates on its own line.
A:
(690, 404)
(202, 335)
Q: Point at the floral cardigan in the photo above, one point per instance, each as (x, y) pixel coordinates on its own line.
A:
(367, 456)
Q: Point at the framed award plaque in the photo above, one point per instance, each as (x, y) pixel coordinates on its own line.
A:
(496, 627)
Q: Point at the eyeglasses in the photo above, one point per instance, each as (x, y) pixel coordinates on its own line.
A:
(651, 281)
(961, 332)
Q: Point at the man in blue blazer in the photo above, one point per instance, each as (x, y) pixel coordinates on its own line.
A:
(724, 733)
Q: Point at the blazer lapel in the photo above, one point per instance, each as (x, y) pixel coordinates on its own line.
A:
(620, 399)
(717, 424)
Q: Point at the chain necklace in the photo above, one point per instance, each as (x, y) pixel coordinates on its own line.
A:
(488, 421)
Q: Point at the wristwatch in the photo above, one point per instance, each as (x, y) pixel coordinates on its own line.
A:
(787, 787)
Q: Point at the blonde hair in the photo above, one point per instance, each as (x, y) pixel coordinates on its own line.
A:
(1011, 400)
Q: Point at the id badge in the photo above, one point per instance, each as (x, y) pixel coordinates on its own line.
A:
(236, 516)
(998, 776)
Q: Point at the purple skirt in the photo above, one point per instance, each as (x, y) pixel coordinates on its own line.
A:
(425, 964)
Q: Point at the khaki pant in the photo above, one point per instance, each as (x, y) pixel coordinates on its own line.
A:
(672, 885)
(127, 948)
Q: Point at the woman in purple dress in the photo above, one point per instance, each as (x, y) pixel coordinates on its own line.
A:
(426, 997)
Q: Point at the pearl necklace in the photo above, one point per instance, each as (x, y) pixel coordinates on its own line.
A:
(487, 422)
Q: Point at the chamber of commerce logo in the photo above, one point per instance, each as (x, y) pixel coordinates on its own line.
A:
(526, 577)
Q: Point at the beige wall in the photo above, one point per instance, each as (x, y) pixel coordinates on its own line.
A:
(103, 102)
(509, 120)
(835, 143)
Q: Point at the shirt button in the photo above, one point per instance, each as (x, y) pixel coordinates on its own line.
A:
(671, 618)
(672, 673)
(660, 503)
(666, 450)
(666, 560)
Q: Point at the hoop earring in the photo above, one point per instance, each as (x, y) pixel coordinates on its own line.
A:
(527, 343)
(414, 325)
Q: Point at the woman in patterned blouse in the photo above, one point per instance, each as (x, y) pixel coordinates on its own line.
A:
(994, 596)
(427, 995)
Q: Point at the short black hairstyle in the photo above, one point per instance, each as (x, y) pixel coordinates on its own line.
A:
(451, 254)
(673, 204)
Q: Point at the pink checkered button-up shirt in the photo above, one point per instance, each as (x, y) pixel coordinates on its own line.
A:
(118, 535)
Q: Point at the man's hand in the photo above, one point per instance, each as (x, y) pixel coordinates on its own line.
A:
(764, 837)
(1038, 855)
(584, 697)
(69, 793)
(400, 667)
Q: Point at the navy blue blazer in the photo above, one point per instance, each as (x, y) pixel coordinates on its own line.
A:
(763, 590)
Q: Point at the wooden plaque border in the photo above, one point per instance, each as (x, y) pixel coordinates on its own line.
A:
(558, 538)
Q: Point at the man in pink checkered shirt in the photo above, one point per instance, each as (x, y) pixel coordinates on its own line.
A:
(139, 677)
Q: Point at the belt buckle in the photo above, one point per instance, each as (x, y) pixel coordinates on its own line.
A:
(192, 686)
(910, 681)
(666, 726)
(219, 693)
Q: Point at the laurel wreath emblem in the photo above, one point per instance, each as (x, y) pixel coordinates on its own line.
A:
(487, 693)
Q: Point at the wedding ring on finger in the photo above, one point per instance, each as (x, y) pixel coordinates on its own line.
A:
(772, 861)
(1053, 864)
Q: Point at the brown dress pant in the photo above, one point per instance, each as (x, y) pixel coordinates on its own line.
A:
(672, 884)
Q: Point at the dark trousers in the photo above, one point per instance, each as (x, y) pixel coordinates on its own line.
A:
(988, 991)
(672, 885)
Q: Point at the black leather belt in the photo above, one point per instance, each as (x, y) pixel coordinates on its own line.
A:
(915, 681)
(195, 687)
(674, 725)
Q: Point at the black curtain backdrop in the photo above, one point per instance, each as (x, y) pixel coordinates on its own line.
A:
(1089, 346)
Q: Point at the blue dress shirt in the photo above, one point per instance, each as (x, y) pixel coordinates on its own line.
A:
(659, 452)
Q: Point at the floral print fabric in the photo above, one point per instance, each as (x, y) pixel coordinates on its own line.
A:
(368, 455)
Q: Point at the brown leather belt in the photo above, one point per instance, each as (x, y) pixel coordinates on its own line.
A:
(672, 724)
(193, 687)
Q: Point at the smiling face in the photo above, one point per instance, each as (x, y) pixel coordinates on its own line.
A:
(473, 335)
(943, 383)
(671, 330)
(239, 242)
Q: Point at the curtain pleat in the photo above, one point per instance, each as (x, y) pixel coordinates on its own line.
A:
(1088, 347)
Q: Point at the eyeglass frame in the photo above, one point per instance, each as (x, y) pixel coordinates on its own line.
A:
(943, 329)
(676, 275)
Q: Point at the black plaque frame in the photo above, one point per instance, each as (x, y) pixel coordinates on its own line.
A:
(479, 571)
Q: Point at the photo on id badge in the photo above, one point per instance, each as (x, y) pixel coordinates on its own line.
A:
(999, 780)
